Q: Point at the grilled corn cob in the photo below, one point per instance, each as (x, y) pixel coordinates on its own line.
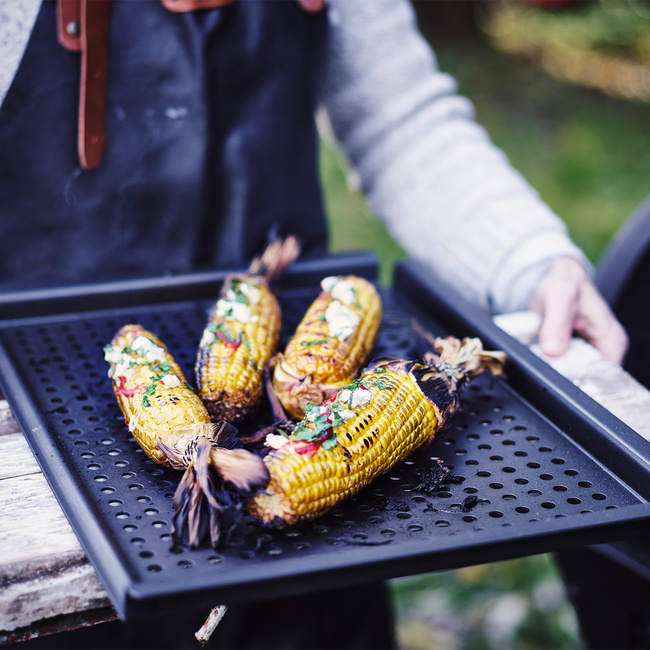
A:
(242, 333)
(330, 344)
(365, 429)
(170, 423)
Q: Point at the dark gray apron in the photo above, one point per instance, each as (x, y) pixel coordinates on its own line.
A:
(210, 144)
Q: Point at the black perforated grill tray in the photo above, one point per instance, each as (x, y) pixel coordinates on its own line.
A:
(535, 465)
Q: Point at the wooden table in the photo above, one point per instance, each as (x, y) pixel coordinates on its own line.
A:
(45, 575)
(47, 583)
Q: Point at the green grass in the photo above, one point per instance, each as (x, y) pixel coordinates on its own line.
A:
(588, 156)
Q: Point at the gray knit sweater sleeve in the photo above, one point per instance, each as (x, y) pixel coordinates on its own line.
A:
(16, 22)
(447, 194)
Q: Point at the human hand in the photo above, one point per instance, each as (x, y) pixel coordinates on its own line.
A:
(568, 302)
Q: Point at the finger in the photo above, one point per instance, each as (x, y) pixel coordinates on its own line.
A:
(613, 344)
(558, 305)
(597, 324)
(568, 301)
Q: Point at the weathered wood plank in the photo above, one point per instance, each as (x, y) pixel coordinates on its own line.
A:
(16, 457)
(44, 571)
(8, 423)
(65, 583)
(56, 624)
(32, 523)
(604, 381)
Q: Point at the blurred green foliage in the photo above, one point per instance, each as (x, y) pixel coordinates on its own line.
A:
(616, 27)
(586, 153)
(514, 604)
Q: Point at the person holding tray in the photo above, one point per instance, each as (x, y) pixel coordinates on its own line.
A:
(168, 177)
(164, 137)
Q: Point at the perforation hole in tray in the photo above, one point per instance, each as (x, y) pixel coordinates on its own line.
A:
(507, 469)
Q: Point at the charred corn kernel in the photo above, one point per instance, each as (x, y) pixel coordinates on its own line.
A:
(330, 344)
(173, 427)
(152, 392)
(242, 333)
(362, 431)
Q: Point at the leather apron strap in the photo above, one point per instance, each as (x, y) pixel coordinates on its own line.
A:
(83, 26)
(193, 5)
(69, 24)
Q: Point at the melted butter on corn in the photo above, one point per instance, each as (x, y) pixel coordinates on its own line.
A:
(340, 288)
(236, 304)
(341, 320)
(123, 360)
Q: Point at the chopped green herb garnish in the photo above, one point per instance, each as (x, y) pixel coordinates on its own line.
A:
(221, 329)
(318, 342)
(330, 443)
(318, 429)
(236, 287)
(244, 339)
(382, 385)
